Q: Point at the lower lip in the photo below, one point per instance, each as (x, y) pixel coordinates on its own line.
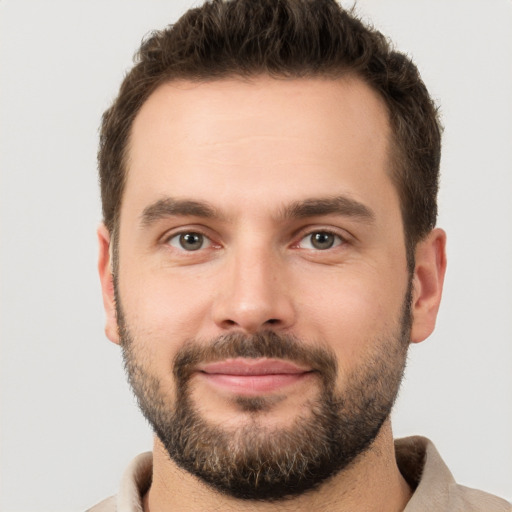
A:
(254, 384)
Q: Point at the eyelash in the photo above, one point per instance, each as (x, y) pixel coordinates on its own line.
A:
(339, 240)
(336, 243)
(177, 236)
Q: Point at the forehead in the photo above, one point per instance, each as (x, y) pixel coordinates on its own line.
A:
(260, 140)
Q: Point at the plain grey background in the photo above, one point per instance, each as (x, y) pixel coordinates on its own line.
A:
(69, 424)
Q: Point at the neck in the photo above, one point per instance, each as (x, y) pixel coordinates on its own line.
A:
(373, 482)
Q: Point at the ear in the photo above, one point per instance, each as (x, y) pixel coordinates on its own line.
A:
(107, 283)
(428, 282)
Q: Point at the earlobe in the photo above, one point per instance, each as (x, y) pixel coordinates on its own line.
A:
(430, 267)
(107, 283)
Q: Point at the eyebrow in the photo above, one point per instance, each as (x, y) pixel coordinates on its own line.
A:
(314, 207)
(169, 207)
(339, 205)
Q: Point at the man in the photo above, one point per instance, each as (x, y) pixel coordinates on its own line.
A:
(269, 174)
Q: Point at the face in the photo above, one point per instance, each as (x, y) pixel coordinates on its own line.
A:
(263, 297)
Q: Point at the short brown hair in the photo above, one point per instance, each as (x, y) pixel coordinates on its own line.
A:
(292, 39)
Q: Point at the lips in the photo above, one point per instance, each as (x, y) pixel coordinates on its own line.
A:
(253, 376)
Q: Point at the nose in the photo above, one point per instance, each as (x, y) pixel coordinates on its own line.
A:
(254, 293)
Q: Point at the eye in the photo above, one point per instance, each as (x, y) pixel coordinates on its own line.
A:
(320, 241)
(189, 241)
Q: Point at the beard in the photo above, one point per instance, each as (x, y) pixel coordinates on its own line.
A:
(255, 461)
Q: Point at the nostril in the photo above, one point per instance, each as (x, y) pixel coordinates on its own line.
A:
(272, 321)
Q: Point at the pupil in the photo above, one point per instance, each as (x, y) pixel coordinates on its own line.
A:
(323, 240)
(191, 241)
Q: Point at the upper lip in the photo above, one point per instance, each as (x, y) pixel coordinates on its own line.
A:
(248, 366)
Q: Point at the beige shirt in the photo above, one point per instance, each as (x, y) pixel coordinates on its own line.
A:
(418, 460)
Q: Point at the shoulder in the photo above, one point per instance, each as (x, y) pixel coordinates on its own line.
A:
(472, 500)
(134, 484)
(434, 486)
(108, 505)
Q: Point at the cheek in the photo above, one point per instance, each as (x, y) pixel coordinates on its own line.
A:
(164, 308)
(350, 314)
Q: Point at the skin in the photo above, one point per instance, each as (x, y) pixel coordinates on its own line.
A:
(250, 149)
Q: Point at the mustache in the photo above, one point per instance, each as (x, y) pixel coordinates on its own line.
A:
(268, 344)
